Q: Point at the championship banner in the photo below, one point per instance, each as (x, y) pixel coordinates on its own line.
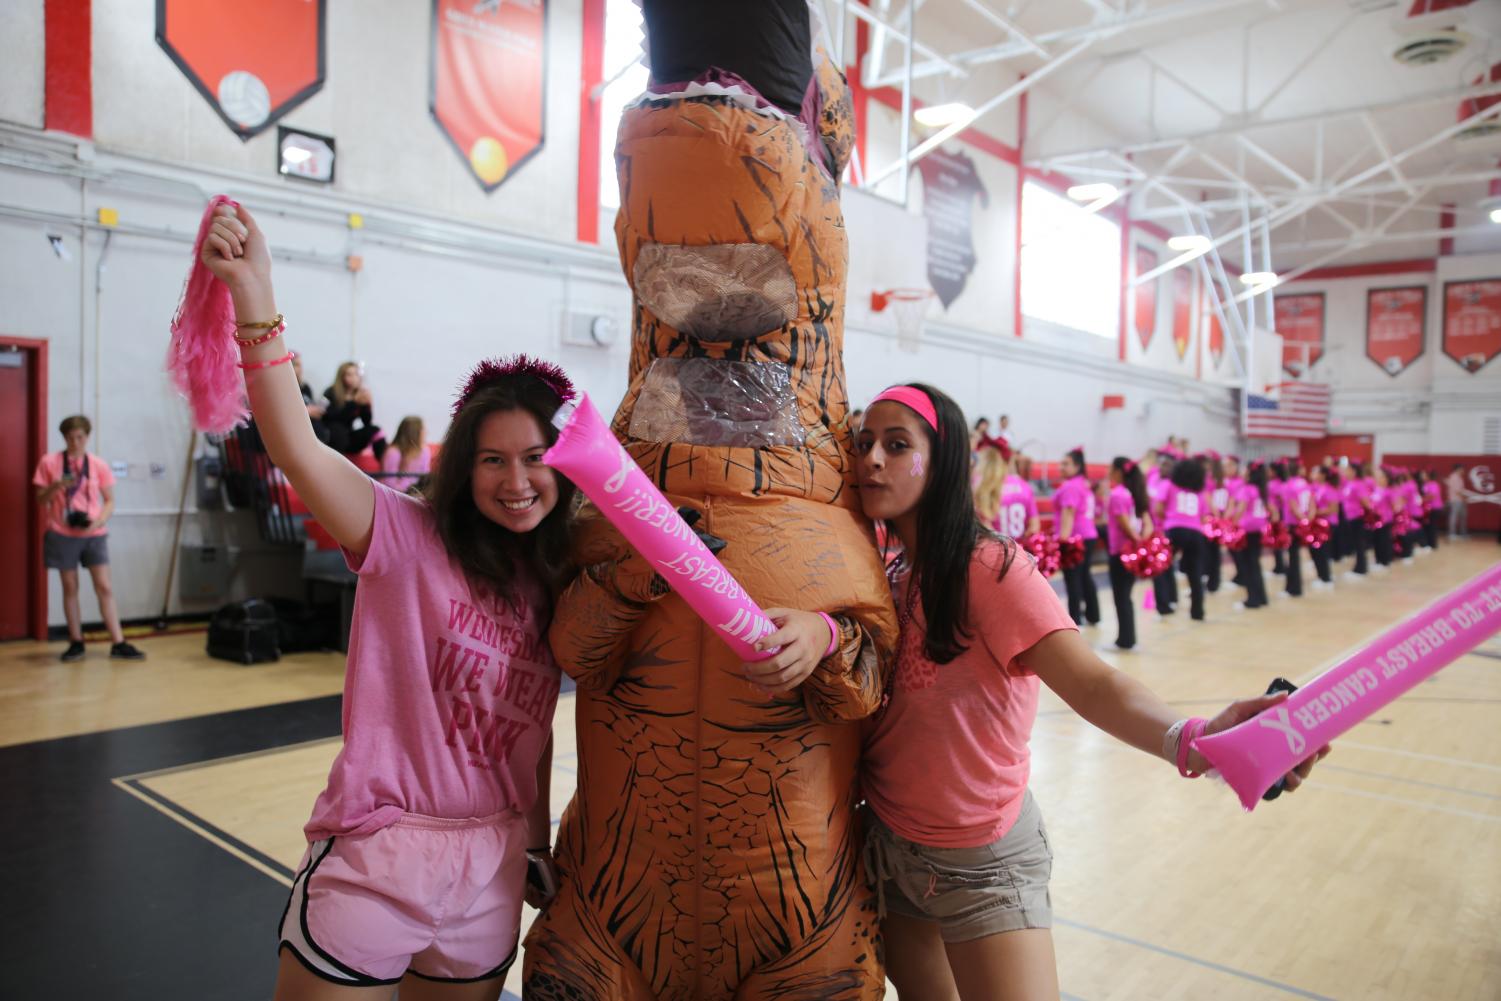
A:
(1299, 319)
(489, 70)
(1182, 310)
(252, 62)
(1472, 322)
(950, 186)
(1216, 339)
(1396, 325)
(1146, 296)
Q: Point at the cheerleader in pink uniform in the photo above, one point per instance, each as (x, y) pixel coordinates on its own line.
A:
(1165, 584)
(1433, 504)
(1129, 522)
(1004, 501)
(1073, 507)
(1250, 508)
(1325, 505)
(1353, 494)
(1382, 500)
(1295, 500)
(1184, 522)
(1413, 504)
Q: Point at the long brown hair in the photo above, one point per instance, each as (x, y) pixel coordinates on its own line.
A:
(408, 440)
(494, 558)
(338, 391)
(994, 468)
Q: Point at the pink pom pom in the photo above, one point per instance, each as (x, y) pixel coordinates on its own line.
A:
(1152, 557)
(1070, 552)
(1044, 550)
(203, 356)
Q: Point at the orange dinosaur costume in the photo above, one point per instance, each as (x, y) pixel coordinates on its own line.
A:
(712, 849)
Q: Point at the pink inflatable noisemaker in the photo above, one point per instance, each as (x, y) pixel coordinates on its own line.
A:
(1253, 755)
(588, 454)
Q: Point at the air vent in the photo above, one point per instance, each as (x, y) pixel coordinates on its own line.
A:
(1426, 49)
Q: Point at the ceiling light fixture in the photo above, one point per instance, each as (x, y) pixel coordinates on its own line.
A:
(938, 115)
(1092, 192)
(1258, 278)
(1189, 244)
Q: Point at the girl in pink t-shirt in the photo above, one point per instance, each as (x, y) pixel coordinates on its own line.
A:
(1129, 522)
(1433, 503)
(1252, 511)
(407, 456)
(955, 843)
(419, 844)
(1183, 523)
(1324, 487)
(1004, 501)
(1353, 493)
(1073, 513)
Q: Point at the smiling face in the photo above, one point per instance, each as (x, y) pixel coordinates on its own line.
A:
(891, 460)
(510, 485)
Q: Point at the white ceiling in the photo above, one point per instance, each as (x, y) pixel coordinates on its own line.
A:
(1288, 112)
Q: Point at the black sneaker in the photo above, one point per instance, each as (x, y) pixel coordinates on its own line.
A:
(74, 652)
(124, 651)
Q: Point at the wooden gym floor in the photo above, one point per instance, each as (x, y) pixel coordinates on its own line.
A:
(154, 814)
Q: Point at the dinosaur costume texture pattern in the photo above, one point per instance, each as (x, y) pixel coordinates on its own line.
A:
(712, 850)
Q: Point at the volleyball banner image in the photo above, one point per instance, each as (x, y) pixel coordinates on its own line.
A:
(1299, 319)
(489, 70)
(1396, 320)
(1146, 297)
(274, 63)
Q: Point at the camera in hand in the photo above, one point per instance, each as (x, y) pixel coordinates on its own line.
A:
(78, 519)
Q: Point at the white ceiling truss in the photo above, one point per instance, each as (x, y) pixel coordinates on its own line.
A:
(1352, 174)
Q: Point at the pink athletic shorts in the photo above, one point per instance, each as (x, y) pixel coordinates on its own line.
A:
(437, 898)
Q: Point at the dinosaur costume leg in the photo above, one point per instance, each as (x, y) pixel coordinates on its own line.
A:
(712, 849)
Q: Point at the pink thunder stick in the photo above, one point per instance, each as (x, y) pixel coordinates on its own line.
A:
(1253, 755)
(588, 454)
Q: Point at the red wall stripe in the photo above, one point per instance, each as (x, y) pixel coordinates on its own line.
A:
(69, 102)
(1371, 270)
(1016, 213)
(590, 76)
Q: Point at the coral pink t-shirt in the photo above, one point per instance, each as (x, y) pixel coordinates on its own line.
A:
(448, 696)
(947, 763)
(87, 493)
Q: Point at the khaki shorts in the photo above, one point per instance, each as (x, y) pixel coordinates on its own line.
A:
(969, 892)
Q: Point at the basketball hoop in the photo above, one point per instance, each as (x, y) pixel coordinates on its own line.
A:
(909, 306)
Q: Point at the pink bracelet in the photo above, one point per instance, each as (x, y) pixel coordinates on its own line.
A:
(275, 331)
(833, 635)
(1192, 731)
(268, 364)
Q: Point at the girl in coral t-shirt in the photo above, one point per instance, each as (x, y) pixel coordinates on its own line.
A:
(419, 845)
(955, 842)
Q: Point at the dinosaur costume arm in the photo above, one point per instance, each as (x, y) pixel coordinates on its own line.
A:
(846, 685)
(591, 630)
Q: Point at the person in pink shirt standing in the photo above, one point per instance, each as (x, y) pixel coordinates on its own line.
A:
(1295, 501)
(77, 493)
(1230, 480)
(1252, 510)
(1383, 501)
(1003, 500)
(1415, 506)
(1353, 491)
(1130, 521)
(1433, 505)
(1184, 525)
(1073, 509)
(1324, 487)
(419, 845)
(955, 841)
(407, 461)
(1274, 486)
(1165, 584)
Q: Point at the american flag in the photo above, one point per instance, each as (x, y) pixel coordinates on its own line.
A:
(1300, 410)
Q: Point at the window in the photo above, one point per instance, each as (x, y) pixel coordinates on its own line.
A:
(625, 78)
(1071, 264)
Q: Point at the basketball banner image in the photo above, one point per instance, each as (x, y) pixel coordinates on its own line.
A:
(1395, 325)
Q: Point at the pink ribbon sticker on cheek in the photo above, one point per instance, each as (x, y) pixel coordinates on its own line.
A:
(916, 464)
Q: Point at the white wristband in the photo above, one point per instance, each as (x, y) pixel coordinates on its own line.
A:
(1170, 740)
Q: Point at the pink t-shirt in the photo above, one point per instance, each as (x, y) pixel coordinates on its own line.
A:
(91, 478)
(1326, 500)
(1157, 495)
(1219, 496)
(1351, 493)
(1018, 506)
(1182, 509)
(1121, 503)
(448, 697)
(1412, 499)
(1435, 496)
(1075, 494)
(947, 763)
(420, 466)
(1381, 500)
(1254, 517)
(1297, 499)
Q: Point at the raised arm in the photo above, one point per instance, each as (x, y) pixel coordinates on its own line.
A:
(338, 494)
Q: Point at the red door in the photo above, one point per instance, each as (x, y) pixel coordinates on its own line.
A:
(23, 582)
(1355, 447)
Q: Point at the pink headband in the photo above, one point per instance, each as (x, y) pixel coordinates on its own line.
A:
(494, 369)
(913, 399)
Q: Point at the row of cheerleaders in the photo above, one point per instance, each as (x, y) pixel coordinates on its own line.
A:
(1170, 512)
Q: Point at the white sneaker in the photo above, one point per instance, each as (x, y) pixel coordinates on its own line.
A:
(1239, 606)
(1351, 575)
(1407, 561)
(1379, 568)
(1321, 585)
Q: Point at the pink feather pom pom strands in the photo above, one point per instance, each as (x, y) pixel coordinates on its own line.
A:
(203, 358)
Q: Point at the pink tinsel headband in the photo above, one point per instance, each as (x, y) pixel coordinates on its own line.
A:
(913, 399)
(493, 369)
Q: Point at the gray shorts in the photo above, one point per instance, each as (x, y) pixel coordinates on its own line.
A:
(65, 552)
(969, 892)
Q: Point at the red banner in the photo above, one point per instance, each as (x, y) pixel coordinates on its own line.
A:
(1216, 339)
(1300, 321)
(1472, 322)
(1396, 325)
(1182, 310)
(252, 62)
(1146, 297)
(489, 82)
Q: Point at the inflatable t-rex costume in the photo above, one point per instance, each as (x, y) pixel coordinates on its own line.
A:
(712, 849)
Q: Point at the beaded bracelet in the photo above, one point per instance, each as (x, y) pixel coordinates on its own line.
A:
(833, 635)
(275, 331)
(275, 321)
(268, 364)
(1192, 731)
